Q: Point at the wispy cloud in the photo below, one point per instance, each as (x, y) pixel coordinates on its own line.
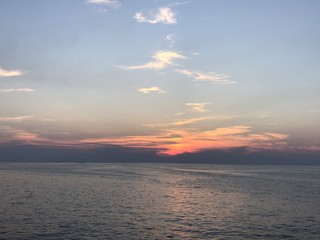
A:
(170, 38)
(187, 121)
(167, 142)
(113, 3)
(162, 15)
(195, 53)
(15, 119)
(198, 107)
(172, 142)
(161, 59)
(46, 120)
(231, 130)
(176, 123)
(310, 148)
(8, 134)
(27, 90)
(10, 73)
(202, 76)
(154, 89)
(179, 114)
(182, 122)
(174, 4)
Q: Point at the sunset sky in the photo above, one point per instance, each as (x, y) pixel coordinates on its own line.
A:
(171, 76)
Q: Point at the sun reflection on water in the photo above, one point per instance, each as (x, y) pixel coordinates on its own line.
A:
(197, 205)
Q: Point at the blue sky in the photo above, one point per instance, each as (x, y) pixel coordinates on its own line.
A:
(175, 76)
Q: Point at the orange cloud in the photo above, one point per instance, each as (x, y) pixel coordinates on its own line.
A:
(154, 89)
(174, 142)
(11, 134)
(167, 142)
(187, 121)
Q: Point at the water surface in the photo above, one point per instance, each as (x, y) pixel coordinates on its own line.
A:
(158, 201)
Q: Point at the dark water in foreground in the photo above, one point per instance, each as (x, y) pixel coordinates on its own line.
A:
(158, 201)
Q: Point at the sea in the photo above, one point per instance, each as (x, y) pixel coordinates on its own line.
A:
(158, 201)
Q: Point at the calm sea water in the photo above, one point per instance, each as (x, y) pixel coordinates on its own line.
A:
(158, 201)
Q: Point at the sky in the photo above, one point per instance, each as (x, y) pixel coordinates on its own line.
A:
(171, 77)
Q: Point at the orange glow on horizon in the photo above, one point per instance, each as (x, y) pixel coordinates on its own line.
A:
(169, 142)
(174, 142)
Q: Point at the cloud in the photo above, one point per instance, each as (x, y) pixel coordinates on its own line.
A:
(27, 90)
(163, 15)
(198, 107)
(179, 114)
(8, 134)
(15, 119)
(188, 121)
(173, 142)
(10, 73)
(177, 123)
(310, 148)
(170, 38)
(174, 4)
(112, 3)
(202, 76)
(161, 59)
(46, 120)
(166, 142)
(154, 89)
(231, 130)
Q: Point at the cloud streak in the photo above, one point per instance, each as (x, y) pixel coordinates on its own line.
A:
(15, 119)
(198, 107)
(168, 142)
(188, 121)
(173, 142)
(8, 134)
(10, 73)
(161, 60)
(26, 90)
(112, 3)
(154, 89)
(171, 40)
(163, 15)
(202, 76)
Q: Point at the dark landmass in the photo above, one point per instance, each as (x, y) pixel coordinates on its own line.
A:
(28, 153)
